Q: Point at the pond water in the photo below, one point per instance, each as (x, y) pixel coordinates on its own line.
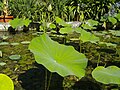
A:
(28, 75)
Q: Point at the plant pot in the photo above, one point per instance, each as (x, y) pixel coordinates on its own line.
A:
(5, 18)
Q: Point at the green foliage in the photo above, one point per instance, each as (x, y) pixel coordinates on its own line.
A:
(91, 22)
(61, 22)
(84, 35)
(52, 26)
(69, 10)
(66, 30)
(58, 58)
(109, 75)
(118, 16)
(112, 20)
(86, 26)
(6, 83)
(15, 23)
(88, 37)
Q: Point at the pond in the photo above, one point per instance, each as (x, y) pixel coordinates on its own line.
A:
(29, 75)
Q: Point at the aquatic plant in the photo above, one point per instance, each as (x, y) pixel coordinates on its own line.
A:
(58, 58)
(19, 22)
(109, 75)
(6, 83)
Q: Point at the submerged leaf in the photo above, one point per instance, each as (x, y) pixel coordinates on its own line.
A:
(64, 60)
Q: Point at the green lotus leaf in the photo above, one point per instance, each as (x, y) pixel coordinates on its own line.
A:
(118, 16)
(88, 37)
(86, 26)
(62, 22)
(112, 20)
(109, 75)
(52, 26)
(6, 83)
(64, 60)
(16, 22)
(66, 30)
(26, 22)
(92, 22)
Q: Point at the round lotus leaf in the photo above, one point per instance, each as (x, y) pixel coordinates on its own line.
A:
(6, 83)
(64, 60)
(88, 37)
(109, 75)
(15, 57)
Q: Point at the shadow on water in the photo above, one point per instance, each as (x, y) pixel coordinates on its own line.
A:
(34, 79)
(86, 84)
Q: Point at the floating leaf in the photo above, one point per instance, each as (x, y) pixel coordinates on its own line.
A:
(112, 20)
(6, 83)
(88, 37)
(4, 37)
(64, 60)
(2, 63)
(115, 32)
(4, 43)
(15, 57)
(109, 75)
(14, 44)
